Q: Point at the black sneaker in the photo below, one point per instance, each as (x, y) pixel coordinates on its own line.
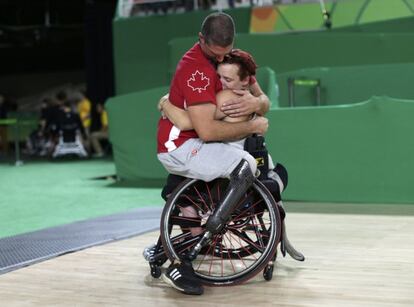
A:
(182, 277)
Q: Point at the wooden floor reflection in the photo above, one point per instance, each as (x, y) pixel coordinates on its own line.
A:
(351, 260)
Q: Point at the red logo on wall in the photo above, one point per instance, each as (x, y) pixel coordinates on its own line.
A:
(198, 82)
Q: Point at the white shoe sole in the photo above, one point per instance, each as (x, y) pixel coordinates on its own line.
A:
(169, 281)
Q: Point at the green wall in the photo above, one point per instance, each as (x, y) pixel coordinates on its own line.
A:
(293, 51)
(349, 153)
(141, 46)
(349, 84)
(133, 122)
(352, 66)
(353, 152)
(360, 152)
(388, 26)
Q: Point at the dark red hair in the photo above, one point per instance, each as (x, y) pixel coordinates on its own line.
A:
(243, 59)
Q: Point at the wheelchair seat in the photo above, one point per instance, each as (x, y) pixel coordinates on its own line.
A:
(69, 144)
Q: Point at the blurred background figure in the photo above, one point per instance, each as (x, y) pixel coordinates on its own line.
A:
(101, 134)
(71, 132)
(3, 129)
(7, 105)
(50, 113)
(40, 141)
(84, 109)
(3, 108)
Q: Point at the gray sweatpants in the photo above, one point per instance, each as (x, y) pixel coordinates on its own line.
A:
(206, 161)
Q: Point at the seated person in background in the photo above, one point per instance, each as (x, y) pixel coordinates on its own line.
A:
(3, 107)
(51, 108)
(68, 122)
(3, 129)
(7, 104)
(71, 132)
(237, 75)
(38, 142)
(84, 109)
(101, 134)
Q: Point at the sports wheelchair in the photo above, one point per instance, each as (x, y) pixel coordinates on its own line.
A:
(246, 245)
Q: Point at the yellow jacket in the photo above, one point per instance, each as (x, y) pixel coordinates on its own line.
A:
(84, 109)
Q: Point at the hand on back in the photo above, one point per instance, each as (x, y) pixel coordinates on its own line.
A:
(260, 125)
(243, 105)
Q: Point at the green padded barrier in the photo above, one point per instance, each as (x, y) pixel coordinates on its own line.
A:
(266, 77)
(133, 133)
(348, 153)
(343, 85)
(141, 45)
(293, 51)
(396, 25)
(345, 153)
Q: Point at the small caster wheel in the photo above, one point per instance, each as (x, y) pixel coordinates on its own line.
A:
(268, 273)
(155, 271)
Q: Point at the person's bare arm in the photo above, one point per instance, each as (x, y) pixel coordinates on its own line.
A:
(223, 97)
(264, 102)
(177, 116)
(181, 119)
(210, 129)
(249, 101)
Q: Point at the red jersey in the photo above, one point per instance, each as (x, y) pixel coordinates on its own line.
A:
(195, 81)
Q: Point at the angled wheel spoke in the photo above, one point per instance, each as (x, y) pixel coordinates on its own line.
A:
(184, 221)
(194, 203)
(202, 199)
(246, 250)
(247, 240)
(185, 243)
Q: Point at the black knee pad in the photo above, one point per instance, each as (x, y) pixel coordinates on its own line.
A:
(274, 184)
(282, 172)
(281, 211)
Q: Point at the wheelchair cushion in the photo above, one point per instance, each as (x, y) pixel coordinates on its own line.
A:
(172, 182)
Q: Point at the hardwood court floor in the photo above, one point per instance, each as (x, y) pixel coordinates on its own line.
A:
(352, 260)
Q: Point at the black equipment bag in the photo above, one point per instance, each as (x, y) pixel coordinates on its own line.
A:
(256, 146)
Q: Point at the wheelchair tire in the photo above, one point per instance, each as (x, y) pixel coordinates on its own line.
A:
(244, 247)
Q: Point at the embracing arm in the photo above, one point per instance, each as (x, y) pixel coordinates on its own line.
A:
(250, 101)
(177, 116)
(209, 129)
(181, 119)
(263, 101)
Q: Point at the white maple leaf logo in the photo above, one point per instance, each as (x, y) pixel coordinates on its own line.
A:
(198, 82)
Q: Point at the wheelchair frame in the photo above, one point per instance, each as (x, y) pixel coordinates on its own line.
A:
(246, 238)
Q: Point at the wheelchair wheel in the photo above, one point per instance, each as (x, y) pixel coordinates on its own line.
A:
(244, 247)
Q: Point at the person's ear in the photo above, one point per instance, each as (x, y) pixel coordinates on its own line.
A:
(201, 38)
(246, 81)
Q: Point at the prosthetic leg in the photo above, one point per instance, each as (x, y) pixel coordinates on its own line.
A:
(276, 181)
(279, 176)
(240, 180)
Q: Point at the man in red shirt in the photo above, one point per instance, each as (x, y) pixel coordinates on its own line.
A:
(200, 153)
